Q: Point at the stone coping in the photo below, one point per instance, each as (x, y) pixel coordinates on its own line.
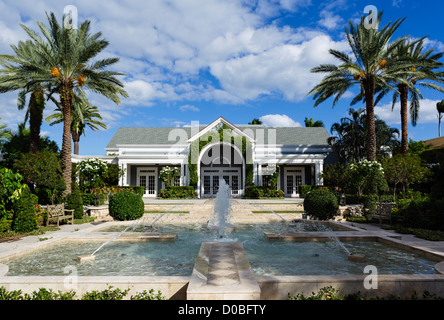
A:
(222, 272)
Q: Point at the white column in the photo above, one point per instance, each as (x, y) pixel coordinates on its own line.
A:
(319, 167)
(182, 175)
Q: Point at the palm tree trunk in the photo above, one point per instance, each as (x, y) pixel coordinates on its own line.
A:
(66, 99)
(36, 106)
(369, 87)
(404, 96)
(75, 139)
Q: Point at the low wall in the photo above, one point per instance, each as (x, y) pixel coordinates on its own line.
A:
(172, 287)
(272, 287)
(278, 287)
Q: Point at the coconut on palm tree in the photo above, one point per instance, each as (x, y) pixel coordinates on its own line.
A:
(66, 69)
(371, 51)
(411, 68)
(83, 115)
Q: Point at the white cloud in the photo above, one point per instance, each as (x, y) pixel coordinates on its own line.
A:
(330, 20)
(278, 120)
(188, 107)
(427, 112)
(283, 69)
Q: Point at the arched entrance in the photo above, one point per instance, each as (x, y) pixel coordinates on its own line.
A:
(221, 161)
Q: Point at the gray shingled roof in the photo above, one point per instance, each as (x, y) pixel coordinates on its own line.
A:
(159, 135)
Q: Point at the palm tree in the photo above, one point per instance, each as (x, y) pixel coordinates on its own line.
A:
(349, 134)
(26, 51)
(66, 69)
(348, 137)
(5, 134)
(311, 123)
(440, 109)
(371, 50)
(410, 68)
(83, 115)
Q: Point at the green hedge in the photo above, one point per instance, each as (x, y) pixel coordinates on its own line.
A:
(261, 192)
(126, 205)
(178, 192)
(321, 204)
(5, 225)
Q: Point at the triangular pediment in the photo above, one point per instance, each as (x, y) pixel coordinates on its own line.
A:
(214, 126)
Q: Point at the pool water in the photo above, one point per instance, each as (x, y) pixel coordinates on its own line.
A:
(177, 258)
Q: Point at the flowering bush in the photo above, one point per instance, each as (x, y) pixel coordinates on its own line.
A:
(367, 177)
(168, 175)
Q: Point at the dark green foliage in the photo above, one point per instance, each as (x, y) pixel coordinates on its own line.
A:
(25, 212)
(321, 204)
(260, 192)
(74, 202)
(425, 214)
(305, 189)
(5, 225)
(107, 294)
(42, 170)
(126, 205)
(19, 144)
(89, 199)
(176, 192)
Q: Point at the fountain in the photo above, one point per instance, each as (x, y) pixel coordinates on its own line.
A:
(86, 258)
(221, 214)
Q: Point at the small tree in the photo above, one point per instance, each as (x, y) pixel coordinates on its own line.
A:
(403, 170)
(168, 176)
(367, 177)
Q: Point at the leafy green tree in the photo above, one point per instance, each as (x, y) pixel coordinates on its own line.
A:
(371, 50)
(66, 68)
(41, 171)
(311, 123)
(255, 121)
(19, 143)
(404, 170)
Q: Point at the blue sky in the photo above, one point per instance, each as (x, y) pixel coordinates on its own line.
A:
(196, 60)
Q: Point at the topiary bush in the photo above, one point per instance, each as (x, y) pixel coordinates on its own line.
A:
(74, 202)
(126, 205)
(25, 219)
(321, 204)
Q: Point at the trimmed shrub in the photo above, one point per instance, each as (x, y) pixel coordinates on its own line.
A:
(304, 190)
(25, 212)
(176, 192)
(321, 204)
(89, 199)
(126, 205)
(74, 202)
(262, 192)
